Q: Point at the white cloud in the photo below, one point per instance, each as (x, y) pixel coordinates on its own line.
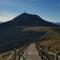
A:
(6, 16)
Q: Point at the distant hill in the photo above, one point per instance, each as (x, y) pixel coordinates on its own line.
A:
(58, 23)
(26, 19)
(1, 22)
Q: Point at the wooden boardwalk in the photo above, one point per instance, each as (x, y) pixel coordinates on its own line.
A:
(31, 53)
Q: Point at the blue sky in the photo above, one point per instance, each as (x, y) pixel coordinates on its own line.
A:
(47, 9)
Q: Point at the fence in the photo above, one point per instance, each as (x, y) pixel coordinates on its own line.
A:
(46, 55)
(18, 54)
(15, 55)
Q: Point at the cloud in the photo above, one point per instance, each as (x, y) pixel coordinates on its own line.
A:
(6, 16)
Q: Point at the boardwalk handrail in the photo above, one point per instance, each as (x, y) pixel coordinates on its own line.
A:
(14, 56)
(10, 56)
(48, 54)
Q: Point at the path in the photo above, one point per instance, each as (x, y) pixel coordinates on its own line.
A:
(31, 53)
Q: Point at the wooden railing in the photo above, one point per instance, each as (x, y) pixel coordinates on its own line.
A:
(46, 55)
(15, 55)
(18, 54)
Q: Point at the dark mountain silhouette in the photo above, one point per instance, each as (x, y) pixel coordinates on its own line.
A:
(58, 23)
(26, 19)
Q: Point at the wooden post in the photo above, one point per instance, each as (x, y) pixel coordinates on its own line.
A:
(46, 55)
(56, 56)
(1, 57)
(19, 54)
(50, 57)
(15, 54)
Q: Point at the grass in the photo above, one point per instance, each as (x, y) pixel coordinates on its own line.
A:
(51, 42)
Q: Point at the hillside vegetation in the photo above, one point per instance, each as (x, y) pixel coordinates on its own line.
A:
(51, 42)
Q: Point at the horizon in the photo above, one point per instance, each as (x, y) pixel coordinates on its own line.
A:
(48, 10)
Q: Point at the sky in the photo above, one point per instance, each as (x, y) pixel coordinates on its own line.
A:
(46, 9)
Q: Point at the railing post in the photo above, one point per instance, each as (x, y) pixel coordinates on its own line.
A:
(1, 57)
(19, 54)
(46, 54)
(56, 56)
(15, 54)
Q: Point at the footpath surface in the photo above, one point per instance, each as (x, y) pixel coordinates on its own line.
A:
(31, 53)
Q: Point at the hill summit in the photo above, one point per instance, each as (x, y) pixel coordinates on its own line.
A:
(26, 19)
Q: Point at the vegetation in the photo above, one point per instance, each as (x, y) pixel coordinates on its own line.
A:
(51, 42)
